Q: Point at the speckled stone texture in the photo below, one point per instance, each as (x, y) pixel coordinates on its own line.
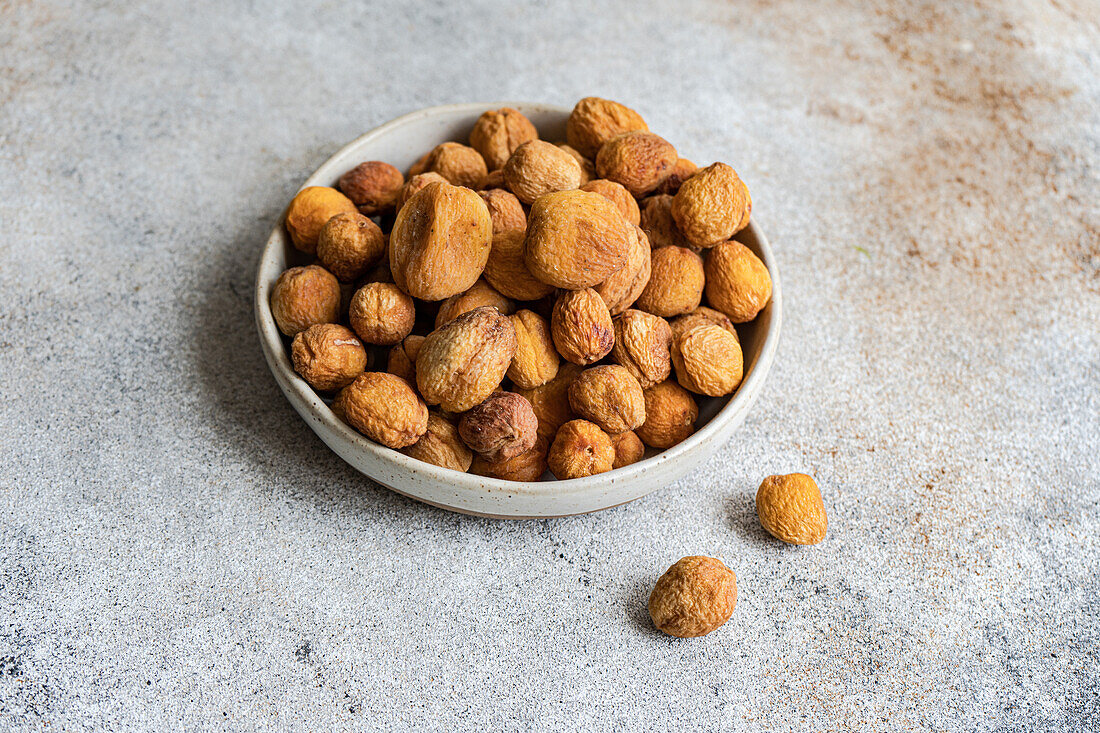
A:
(179, 552)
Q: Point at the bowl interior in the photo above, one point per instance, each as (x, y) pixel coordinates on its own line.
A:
(401, 142)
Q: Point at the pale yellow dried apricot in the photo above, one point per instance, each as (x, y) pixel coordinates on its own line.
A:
(594, 121)
(675, 284)
(640, 161)
(712, 205)
(790, 509)
(537, 168)
(440, 242)
(738, 283)
(498, 132)
(575, 239)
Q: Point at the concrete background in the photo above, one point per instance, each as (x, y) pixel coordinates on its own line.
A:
(179, 552)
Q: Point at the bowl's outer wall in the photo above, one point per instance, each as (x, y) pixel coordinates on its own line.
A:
(401, 142)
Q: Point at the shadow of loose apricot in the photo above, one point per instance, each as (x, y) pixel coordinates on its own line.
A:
(240, 398)
(743, 519)
(635, 602)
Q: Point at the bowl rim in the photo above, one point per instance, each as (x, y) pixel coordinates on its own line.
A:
(303, 397)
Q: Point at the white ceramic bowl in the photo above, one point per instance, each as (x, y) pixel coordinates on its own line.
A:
(400, 142)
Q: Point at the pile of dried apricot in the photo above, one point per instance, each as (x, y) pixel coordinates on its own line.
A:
(530, 305)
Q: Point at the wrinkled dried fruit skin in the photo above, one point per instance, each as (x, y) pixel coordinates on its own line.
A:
(676, 283)
(385, 409)
(580, 449)
(708, 361)
(420, 166)
(642, 346)
(349, 245)
(414, 185)
(702, 316)
(618, 195)
(738, 283)
(328, 356)
(594, 121)
(308, 212)
(629, 449)
(505, 210)
(337, 406)
(670, 414)
(440, 445)
(683, 170)
(790, 509)
(402, 358)
(640, 161)
(497, 133)
(609, 396)
(381, 314)
(551, 401)
(528, 466)
(461, 363)
(495, 180)
(575, 239)
(581, 327)
(460, 164)
(694, 597)
(537, 168)
(506, 268)
(712, 205)
(481, 293)
(587, 168)
(536, 361)
(625, 286)
(373, 186)
(440, 242)
(501, 427)
(658, 224)
(305, 296)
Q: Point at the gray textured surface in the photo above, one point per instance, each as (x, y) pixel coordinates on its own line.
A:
(178, 551)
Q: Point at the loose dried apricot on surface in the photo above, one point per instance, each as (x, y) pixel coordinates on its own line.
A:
(790, 509)
(694, 597)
